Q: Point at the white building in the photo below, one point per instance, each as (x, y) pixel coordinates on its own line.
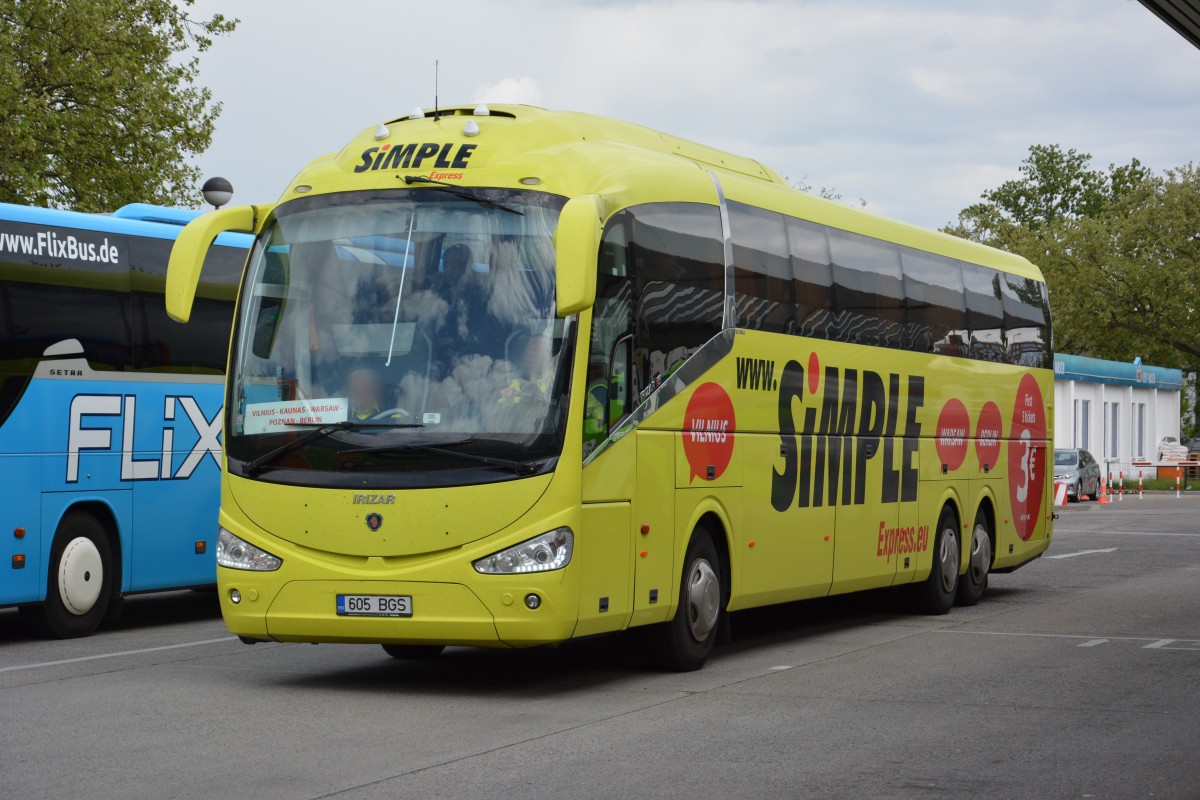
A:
(1116, 410)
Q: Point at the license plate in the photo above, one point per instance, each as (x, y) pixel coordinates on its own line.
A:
(374, 605)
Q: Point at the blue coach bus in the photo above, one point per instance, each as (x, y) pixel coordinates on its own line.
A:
(110, 413)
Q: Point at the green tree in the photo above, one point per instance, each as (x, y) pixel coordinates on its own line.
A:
(1054, 185)
(99, 104)
(1120, 249)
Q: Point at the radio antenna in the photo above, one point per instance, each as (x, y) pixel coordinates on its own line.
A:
(435, 90)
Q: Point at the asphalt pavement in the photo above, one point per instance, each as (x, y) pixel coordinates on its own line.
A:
(1077, 676)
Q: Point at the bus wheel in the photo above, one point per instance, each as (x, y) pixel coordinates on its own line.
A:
(79, 583)
(414, 652)
(972, 585)
(683, 644)
(936, 594)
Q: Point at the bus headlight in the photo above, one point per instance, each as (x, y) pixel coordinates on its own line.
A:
(236, 553)
(550, 551)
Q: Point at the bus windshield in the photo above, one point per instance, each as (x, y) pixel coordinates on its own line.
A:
(417, 326)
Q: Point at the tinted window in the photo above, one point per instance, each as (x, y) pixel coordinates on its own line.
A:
(762, 270)
(812, 278)
(985, 312)
(162, 344)
(868, 290)
(677, 256)
(609, 388)
(937, 314)
(1025, 322)
(56, 284)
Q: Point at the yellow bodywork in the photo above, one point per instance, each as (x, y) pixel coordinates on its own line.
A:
(634, 506)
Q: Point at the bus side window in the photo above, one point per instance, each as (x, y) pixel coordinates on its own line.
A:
(812, 279)
(868, 289)
(937, 312)
(678, 264)
(985, 312)
(159, 342)
(608, 382)
(1025, 322)
(762, 272)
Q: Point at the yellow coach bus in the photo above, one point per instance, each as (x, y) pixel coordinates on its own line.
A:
(509, 377)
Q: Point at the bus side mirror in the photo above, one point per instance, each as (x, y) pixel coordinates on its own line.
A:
(191, 246)
(576, 244)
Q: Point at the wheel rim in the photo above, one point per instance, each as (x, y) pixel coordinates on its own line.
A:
(80, 576)
(703, 599)
(981, 554)
(948, 559)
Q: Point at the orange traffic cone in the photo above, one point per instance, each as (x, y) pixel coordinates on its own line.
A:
(1103, 499)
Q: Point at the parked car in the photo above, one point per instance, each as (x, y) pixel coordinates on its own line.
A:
(1080, 471)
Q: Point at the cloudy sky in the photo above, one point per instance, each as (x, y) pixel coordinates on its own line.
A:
(914, 106)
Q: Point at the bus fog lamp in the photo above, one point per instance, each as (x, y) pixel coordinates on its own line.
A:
(236, 553)
(532, 601)
(550, 551)
(235, 596)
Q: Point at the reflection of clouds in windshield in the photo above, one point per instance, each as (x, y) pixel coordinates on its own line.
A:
(472, 398)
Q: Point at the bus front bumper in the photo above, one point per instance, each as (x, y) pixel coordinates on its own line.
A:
(442, 613)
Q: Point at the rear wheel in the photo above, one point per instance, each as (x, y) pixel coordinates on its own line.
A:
(79, 585)
(936, 594)
(414, 652)
(684, 643)
(972, 585)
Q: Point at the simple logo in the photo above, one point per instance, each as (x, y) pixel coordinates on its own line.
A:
(374, 521)
(412, 156)
(1027, 456)
(708, 426)
(843, 416)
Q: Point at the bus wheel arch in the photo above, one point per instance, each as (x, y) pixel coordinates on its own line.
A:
(979, 554)
(78, 599)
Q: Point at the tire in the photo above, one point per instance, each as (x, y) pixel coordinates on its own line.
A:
(79, 583)
(684, 643)
(414, 652)
(937, 593)
(972, 585)
(1079, 496)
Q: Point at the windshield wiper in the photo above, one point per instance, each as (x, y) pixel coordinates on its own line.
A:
(519, 467)
(461, 191)
(317, 432)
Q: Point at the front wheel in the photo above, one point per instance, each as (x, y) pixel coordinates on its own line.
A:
(936, 594)
(79, 583)
(684, 643)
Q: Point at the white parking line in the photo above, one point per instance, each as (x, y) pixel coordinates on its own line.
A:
(1082, 553)
(1155, 642)
(117, 655)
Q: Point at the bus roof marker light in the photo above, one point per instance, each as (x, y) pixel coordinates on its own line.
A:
(531, 181)
(482, 110)
(417, 113)
(381, 132)
(471, 128)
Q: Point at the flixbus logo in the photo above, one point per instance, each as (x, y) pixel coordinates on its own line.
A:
(412, 156)
(845, 414)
